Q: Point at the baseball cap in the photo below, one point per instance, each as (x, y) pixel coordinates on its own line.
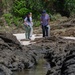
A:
(44, 11)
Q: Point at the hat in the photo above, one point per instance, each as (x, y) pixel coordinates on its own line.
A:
(44, 11)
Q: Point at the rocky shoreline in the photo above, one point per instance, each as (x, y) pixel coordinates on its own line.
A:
(59, 53)
(14, 56)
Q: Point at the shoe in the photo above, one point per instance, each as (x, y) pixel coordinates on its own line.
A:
(29, 38)
(24, 40)
(46, 37)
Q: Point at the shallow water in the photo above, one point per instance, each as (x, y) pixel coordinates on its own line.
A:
(40, 69)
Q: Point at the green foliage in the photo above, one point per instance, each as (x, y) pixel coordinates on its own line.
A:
(55, 17)
(8, 15)
(70, 5)
(64, 7)
(22, 11)
(8, 18)
(12, 19)
(17, 21)
(36, 23)
(19, 8)
(52, 17)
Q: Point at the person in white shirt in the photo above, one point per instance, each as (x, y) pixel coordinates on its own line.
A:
(28, 25)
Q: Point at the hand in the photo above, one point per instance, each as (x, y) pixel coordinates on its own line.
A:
(25, 24)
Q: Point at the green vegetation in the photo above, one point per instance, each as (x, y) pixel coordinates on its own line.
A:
(20, 8)
(10, 19)
(70, 6)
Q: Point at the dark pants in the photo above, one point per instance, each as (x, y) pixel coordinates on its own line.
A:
(45, 30)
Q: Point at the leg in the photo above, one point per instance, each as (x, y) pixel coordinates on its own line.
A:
(26, 33)
(46, 28)
(31, 32)
(43, 30)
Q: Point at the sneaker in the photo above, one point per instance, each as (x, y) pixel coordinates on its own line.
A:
(29, 38)
(24, 40)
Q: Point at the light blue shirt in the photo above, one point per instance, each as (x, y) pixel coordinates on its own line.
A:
(44, 19)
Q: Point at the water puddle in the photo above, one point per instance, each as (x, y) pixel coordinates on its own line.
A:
(40, 69)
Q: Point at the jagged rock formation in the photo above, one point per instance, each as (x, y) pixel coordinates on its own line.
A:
(60, 55)
(13, 56)
(56, 50)
(68, 66)
(64, 28)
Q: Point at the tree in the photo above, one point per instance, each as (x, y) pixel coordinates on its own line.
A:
(21, 7)
(70, 6)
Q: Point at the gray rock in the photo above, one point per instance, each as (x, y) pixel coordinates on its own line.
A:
(4, 70)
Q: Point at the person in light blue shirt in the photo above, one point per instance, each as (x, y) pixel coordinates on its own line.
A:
(45, 19)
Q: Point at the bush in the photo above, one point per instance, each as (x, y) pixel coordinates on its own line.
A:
(8, 18)
(19, 8)
(52, 18)
(36, 23)
(17, 21)
(55, 16)
(12, 19)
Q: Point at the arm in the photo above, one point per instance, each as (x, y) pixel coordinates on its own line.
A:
(41, 21)
(25, 21)
(31, 21)
(48, 20)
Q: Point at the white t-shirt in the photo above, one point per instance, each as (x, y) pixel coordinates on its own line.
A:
(27, 22)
